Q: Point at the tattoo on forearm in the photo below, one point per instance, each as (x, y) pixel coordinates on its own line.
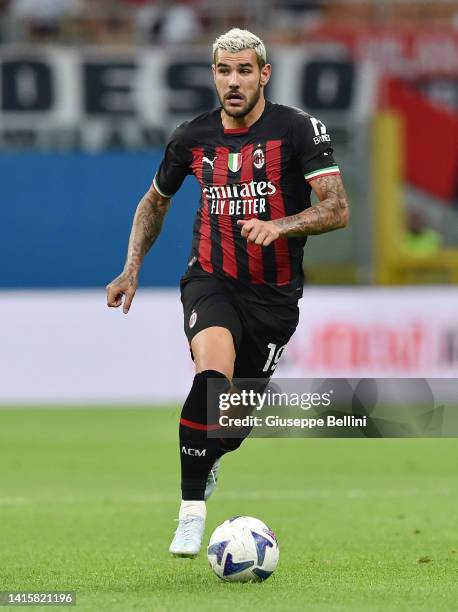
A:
(146, 227)
(329, 214)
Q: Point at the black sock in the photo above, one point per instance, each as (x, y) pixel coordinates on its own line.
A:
(243, 384)
(198, 452)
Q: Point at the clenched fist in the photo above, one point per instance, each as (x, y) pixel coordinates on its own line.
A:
(259, 232)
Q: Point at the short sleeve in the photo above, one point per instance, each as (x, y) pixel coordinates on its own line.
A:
(312, 147)
(175, 166)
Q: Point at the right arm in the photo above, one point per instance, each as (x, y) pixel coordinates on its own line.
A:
(146, 227)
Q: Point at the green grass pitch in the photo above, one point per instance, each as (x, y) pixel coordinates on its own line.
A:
(88, 499)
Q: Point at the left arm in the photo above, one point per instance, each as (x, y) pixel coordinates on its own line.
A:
(329, 214)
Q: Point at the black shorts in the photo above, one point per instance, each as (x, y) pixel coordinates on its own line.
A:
(260, 331)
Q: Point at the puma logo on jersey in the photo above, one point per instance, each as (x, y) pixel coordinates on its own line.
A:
(209, 161)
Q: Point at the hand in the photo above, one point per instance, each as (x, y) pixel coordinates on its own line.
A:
(124, 285)
(259, 232)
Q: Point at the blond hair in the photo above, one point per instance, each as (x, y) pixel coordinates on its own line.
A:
(236, 40)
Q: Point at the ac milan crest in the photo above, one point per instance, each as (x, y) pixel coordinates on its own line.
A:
(192, 319)
(259, 158)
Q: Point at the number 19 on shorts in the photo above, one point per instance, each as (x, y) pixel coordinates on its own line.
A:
(273, 357)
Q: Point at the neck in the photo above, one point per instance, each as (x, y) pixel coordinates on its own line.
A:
(231, 123)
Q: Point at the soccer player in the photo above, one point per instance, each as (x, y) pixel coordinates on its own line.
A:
(256, 163)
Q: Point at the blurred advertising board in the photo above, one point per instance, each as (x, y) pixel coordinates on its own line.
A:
(399, 52)
(377, 332)
(426, 57)
(141, 94)
(66, 347)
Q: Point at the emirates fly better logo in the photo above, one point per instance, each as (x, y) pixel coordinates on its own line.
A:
(239, 198)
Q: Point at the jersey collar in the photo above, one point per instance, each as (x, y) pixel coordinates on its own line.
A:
(245, 130)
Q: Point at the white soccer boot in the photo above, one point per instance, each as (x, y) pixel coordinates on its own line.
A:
(212, 479)
(190, 531)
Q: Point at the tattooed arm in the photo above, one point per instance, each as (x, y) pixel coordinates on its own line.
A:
(146, 227)
(329, 214)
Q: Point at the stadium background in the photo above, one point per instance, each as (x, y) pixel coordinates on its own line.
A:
(89, 95)
(90, 90)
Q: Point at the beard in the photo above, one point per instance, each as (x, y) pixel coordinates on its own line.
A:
(241, 112)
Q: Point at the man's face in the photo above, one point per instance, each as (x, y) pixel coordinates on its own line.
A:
(239, 81)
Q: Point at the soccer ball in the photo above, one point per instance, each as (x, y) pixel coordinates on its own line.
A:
(243, 549)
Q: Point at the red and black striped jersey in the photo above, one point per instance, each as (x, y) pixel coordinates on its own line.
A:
(261, 171)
